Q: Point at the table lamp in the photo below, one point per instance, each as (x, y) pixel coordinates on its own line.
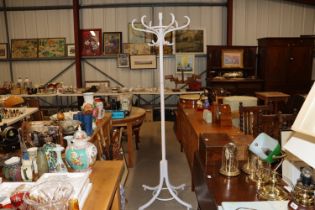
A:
(265, 147)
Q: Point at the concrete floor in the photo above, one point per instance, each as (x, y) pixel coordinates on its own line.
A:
(146, 170)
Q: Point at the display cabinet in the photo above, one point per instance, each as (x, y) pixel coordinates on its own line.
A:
(233, 68)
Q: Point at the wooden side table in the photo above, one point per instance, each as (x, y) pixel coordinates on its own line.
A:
(273, 97)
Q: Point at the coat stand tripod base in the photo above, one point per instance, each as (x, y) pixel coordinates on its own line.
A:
(158, 189)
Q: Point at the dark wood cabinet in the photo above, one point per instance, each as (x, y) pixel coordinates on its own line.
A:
(285, 64)
(247, 84)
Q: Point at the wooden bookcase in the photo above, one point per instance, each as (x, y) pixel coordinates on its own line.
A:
(246, 85)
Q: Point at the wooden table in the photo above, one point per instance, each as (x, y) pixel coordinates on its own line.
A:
(105, 179)
(273, 97)
(26, 113)
(212, 188)
(135, 114)
(189, 126)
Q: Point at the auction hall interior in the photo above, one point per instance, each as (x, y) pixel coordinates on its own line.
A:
(140, 104)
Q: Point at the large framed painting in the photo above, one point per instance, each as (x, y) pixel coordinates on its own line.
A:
(189, 41)
(137, 49)
(51, 47)
(91, 42)
(232, 58)
(112, 43)
(185, 63)
(24, 48)
(135, 36)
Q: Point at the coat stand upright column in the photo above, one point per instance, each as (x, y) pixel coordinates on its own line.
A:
(160, 31)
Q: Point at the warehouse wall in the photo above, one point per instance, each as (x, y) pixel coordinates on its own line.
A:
(252, 19)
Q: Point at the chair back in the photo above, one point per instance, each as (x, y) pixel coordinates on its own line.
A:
(101, 137)
(286, 120)
(249, 115)
(269, 124)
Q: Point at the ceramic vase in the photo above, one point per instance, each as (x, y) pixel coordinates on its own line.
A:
(41, 162)
(80, 154)
(12, 169)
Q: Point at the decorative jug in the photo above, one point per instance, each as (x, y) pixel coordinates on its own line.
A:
(80, 153)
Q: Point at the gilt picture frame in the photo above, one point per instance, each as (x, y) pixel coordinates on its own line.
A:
(232, 58)
(189, 41)
(143, 62)
(24, 48)
(51, 47)
(112, 43)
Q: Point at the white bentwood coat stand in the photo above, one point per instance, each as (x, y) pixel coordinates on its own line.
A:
(160, 31)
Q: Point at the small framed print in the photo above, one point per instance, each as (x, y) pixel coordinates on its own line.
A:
(123, 60)
(91, 42)
(24, 48)
(51, 47)
(185, 63)
(70, 50)
(3, 50)
(143, 62)
(112, 43)
(232, 58)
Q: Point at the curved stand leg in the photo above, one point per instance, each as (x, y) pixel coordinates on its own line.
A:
(157, 189)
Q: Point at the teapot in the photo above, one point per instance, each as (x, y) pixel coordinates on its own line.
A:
(80, 153)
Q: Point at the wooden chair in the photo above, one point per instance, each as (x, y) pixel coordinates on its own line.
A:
(249, 115)
(273, 124)
(101, 137)
(286, 120)
(269, 124)
(136, 130)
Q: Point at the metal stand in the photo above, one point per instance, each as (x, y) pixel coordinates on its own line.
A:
(160, 31)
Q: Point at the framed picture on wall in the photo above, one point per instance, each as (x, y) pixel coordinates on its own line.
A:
(185, 63)
(189, 41)
(112, 43)
(232, 58)
(143, 62)
(70, 50)
(51, 47)
(24, 48)
(137, 49)
(123, 60)
(135, 36)
(3, 50)
(91, 42)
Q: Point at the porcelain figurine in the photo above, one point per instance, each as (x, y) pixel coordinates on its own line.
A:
(80, 153)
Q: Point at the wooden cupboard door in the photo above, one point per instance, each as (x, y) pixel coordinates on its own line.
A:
(273, 61)
(298, 72)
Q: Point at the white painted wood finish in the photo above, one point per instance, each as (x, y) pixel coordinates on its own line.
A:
(252, 19)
